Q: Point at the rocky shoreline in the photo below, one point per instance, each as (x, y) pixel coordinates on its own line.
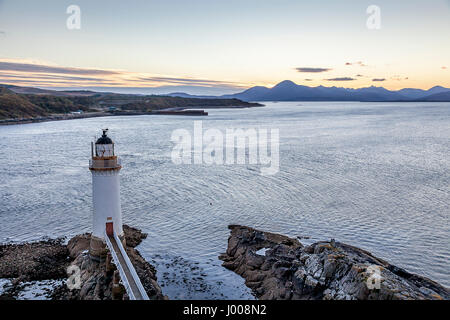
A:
(56, 117)
(274, 267)
(193, 111)
(278, 267)
(59, 117)
(49, 260)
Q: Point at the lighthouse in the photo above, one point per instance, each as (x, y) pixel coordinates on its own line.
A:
(105, 167)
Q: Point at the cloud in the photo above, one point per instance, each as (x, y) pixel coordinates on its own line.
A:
(359, 75)
(340, 79)
(188, 81)
(398, 78)
(308, 79)
(25, 72)
(39, 68)
(52, 83)
(358, 63)
(45, 77)
(379, 79)
(312, 70)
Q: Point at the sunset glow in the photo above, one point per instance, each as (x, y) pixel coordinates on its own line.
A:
(224, 46)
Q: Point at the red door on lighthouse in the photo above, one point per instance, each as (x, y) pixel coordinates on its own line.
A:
(109, 229)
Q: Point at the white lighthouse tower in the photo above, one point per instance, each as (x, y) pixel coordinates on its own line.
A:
(105, 167)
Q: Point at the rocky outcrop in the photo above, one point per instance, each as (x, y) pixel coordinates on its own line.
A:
(279, 267)
(99, 279)
(50, 260)
(41, 260)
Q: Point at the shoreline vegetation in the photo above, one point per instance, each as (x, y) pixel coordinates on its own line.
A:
(19, 106)
(274, 266)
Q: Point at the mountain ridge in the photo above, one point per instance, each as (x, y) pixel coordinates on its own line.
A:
(287, 90)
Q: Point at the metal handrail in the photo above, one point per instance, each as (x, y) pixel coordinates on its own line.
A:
(123, 277)
(130, 266)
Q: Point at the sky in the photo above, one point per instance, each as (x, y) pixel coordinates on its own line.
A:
(219, 47)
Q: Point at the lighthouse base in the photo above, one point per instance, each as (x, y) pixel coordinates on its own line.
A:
(98, 249)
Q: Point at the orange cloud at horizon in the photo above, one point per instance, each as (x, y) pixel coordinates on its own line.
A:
(41, 74)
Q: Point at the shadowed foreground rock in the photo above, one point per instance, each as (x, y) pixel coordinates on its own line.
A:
(324, 270)
(49, 260)
(43, 260)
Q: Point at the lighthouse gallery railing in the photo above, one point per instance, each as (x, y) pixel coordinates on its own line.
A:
(130, 266)
(105, 163)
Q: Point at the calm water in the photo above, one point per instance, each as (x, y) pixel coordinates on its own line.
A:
(374, 175)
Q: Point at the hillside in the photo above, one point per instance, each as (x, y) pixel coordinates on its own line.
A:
(14, 105)
(163, 102)
(38, 91)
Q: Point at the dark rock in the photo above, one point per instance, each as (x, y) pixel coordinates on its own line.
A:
(49, 260)
(78, 244)
(254, 260)
(133, 236)
(34, 261)
(323, 270)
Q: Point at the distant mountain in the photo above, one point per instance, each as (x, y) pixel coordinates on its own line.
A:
(437, 97)
(187, 95)
(419, 93)
(290, 91)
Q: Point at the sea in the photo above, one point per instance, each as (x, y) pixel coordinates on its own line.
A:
(373, 175)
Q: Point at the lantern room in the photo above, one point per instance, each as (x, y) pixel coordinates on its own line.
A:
(104, 146)
(103, 156)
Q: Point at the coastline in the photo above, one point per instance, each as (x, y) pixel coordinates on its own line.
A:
(58, 117)
(277, 267)
(274, 266)
(47, 262)
(192, 111)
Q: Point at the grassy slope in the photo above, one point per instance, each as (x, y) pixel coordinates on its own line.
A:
(15, 105)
